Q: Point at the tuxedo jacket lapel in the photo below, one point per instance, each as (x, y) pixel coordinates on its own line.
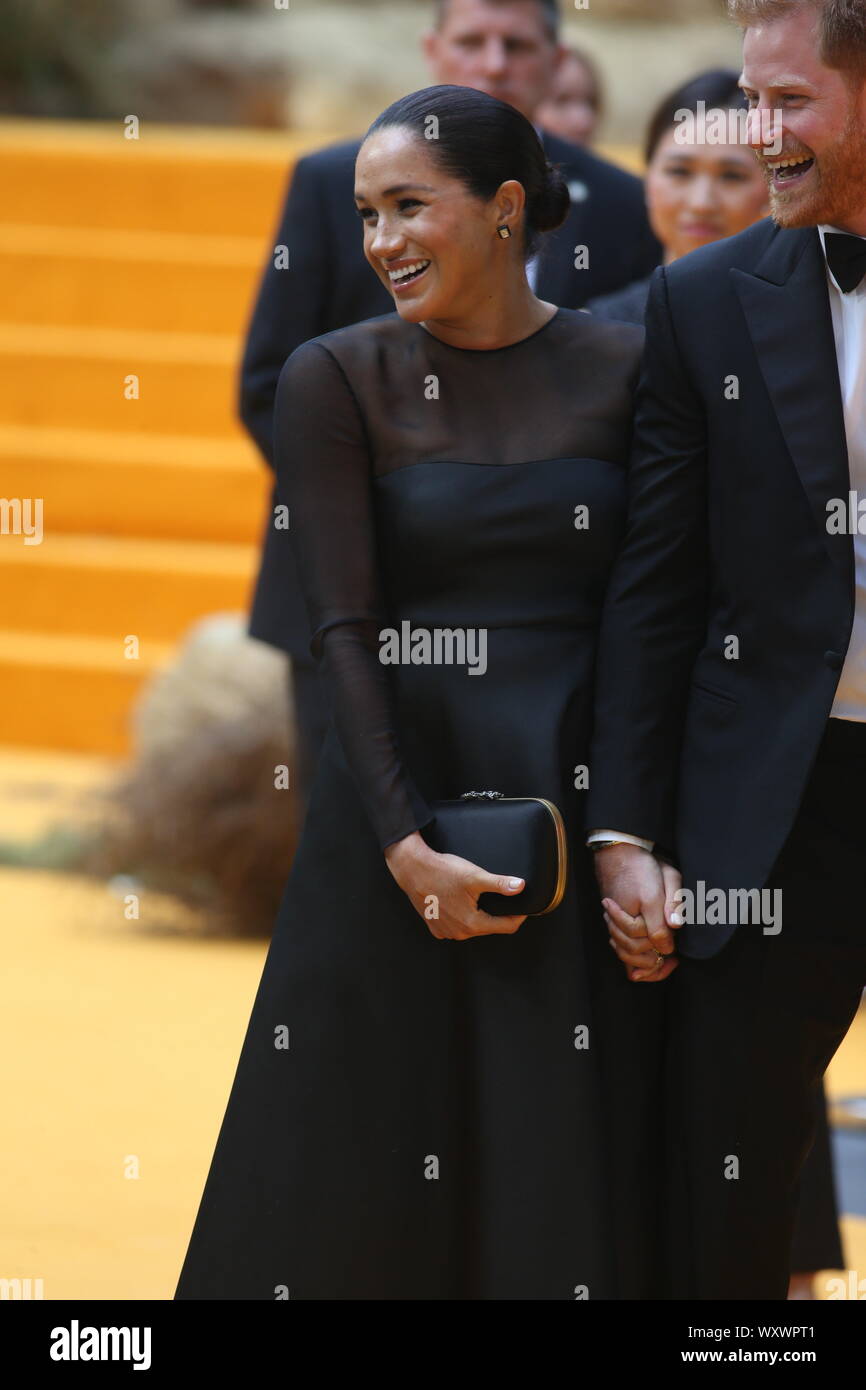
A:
(787, 310)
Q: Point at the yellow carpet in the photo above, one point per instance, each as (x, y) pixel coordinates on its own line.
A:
(127, 1034)
(122, 1039)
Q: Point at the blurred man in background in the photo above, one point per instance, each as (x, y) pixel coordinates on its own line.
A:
(510, 49)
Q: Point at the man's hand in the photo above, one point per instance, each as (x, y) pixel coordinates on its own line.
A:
(638, 900)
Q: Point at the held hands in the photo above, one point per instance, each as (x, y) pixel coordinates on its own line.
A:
(444, 890)
(638, 900)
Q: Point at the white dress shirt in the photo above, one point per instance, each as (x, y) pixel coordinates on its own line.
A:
(849, 331)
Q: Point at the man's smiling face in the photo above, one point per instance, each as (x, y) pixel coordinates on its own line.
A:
(819, 174)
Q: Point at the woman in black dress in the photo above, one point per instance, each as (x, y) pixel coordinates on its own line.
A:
(443, 1106)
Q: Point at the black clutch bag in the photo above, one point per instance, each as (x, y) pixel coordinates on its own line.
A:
(523, 837)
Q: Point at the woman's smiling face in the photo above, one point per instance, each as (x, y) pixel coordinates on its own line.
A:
(430, 241)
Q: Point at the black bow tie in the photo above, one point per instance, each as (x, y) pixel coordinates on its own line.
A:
(846, 257)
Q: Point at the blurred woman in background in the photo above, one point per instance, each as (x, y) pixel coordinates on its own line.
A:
(696, 193)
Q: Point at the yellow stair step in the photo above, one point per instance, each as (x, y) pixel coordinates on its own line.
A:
(122, 279)
(174, 179)
(114, 587)
(116, 483)
(124, 258)
(74, 693)
(187, 382)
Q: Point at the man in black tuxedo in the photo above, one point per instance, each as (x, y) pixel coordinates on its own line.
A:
(509, 48)
(731, 724)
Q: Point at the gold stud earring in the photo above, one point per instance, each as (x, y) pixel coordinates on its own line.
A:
(504, 232)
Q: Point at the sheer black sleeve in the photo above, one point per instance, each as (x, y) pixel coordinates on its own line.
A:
(324, 477)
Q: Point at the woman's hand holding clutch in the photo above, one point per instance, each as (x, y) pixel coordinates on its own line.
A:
(444, 890)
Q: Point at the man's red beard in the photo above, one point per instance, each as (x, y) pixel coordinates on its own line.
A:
(836, 193)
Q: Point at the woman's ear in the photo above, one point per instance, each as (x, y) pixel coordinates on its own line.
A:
(509, 204)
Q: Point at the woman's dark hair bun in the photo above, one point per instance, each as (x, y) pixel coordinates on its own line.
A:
(550, 206)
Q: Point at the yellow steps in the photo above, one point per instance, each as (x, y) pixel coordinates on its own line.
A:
(109, 279)
(128, 484)
(124, 259)
(112, 587)
(173, 179)
(71, 692)
(186, 382)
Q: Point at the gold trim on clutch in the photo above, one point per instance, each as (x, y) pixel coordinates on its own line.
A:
(562, 851)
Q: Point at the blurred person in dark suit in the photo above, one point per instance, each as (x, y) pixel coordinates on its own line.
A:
(697, 194)
(511, 50)
(575, 104)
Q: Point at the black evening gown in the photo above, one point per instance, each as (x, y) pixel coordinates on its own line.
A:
(413, 1118)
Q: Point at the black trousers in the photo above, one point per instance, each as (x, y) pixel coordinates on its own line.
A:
(753, 1030)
